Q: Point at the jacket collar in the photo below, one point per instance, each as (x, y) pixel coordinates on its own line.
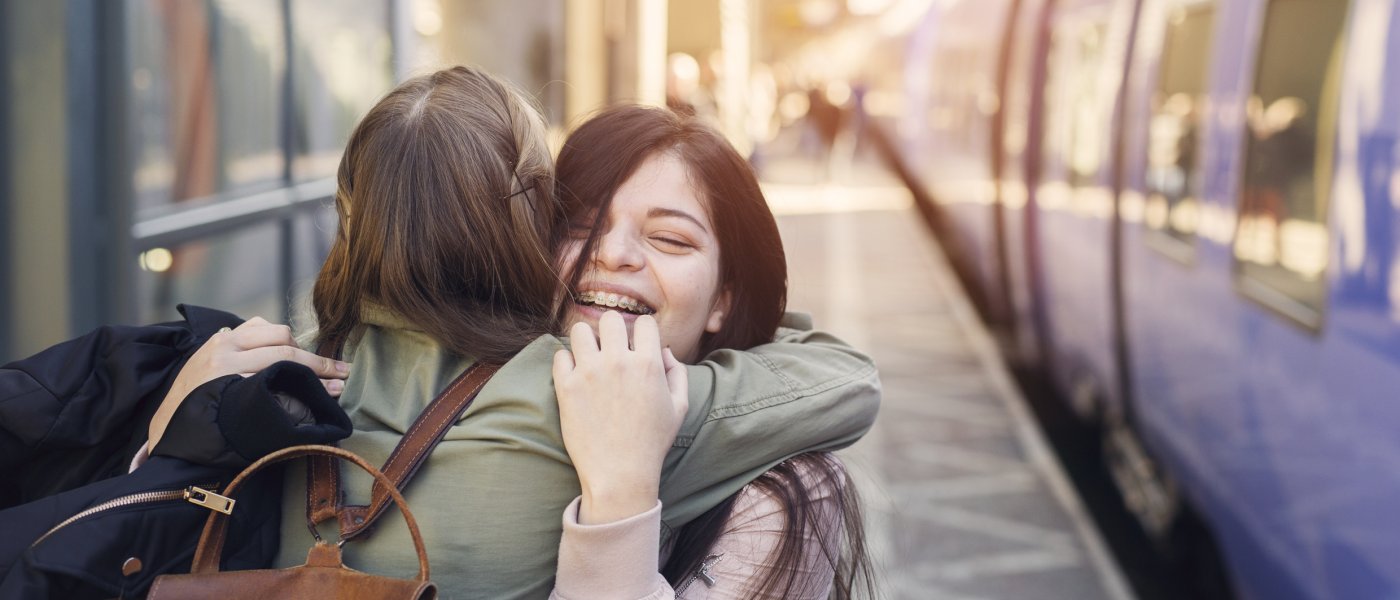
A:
(383, 316)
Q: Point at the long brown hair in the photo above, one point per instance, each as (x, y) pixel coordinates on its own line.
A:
(596, 159)
(599, 156)
(445, 202)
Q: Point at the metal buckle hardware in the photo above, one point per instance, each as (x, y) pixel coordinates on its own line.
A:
(210, 500)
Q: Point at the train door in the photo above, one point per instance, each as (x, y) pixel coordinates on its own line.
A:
(1179, 319)
(1018, 151)
(958, 127)
(1074, 201)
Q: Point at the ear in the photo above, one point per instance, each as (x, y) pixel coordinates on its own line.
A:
(719, 311)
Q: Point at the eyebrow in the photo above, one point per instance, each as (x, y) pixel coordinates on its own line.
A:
(671, 212)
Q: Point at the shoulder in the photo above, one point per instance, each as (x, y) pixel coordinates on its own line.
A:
(787, 522)
(811, 483)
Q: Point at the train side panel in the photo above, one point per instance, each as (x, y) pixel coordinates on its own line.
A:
(1343, 476)
(1262, 391)
(1259, 251)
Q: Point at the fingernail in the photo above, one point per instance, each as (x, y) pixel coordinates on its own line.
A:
(335, 385)
(342, 367)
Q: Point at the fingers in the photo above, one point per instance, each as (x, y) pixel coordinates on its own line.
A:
(248, 337)
(334, 387)
(677, 383)
(584, 345)
(253, 322)
(668, 360)
(646, 338)
(612, 332)
(563, 365)
(260, 358)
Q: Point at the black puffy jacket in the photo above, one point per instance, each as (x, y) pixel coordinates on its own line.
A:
(71, 419)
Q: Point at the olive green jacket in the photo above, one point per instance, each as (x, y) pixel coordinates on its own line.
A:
(488, 499)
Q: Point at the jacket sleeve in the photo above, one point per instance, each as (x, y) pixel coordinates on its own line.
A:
(750, 410)
(619, 560)
(232, 421)
(77, 405)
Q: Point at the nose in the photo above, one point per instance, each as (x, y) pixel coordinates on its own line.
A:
(618, 252)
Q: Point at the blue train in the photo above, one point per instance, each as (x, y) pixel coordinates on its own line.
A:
(1188, 212)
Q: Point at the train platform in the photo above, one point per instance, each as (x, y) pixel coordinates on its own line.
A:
(963, 496)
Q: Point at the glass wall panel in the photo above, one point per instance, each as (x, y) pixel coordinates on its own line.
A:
(1281, 239)
(238, 272)
(312, 233)
(206, 89)
(341, 65)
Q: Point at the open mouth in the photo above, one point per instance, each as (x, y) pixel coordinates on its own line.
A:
(620, 302)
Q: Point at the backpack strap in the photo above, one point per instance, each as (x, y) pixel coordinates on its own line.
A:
(323, 495)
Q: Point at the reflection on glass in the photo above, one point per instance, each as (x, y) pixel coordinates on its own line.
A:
(1281, 237)
(237, 272)
(340, 67)
(205, 91)
(1074, 128)
(1084, 152)
(1172, 178)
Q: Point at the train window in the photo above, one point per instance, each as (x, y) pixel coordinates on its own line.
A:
(1281, 235)
(1074, 129)
(206, 84)
(1172, 177)
(340, 66)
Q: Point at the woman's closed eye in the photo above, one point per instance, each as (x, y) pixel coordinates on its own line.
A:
(673, 242)
(580, 230)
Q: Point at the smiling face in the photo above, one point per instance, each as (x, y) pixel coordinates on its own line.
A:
(656, 254)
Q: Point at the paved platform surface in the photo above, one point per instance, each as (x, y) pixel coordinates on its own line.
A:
(965, 500)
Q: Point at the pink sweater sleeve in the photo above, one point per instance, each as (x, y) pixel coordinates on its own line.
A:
(142, 455)
(619, 559)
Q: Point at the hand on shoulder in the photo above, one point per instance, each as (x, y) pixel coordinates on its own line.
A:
(244, 350)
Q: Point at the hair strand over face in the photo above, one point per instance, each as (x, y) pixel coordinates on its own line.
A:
(604, 152)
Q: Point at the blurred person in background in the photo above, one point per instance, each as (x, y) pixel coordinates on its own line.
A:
(684, 92)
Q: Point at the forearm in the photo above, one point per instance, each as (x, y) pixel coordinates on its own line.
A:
(618, 560)
(751, 410)
(615, 560)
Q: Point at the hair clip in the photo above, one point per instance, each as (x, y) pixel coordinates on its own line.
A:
(523, 188)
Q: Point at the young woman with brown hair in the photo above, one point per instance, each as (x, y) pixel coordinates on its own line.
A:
(444, 259)
(667, 219)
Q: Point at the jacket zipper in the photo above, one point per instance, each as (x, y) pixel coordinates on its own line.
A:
(702, 573)
(119, 502)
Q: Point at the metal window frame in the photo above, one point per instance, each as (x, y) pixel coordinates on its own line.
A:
(99, 203)
(7, 347)
(1278, 302)
(106, 234)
